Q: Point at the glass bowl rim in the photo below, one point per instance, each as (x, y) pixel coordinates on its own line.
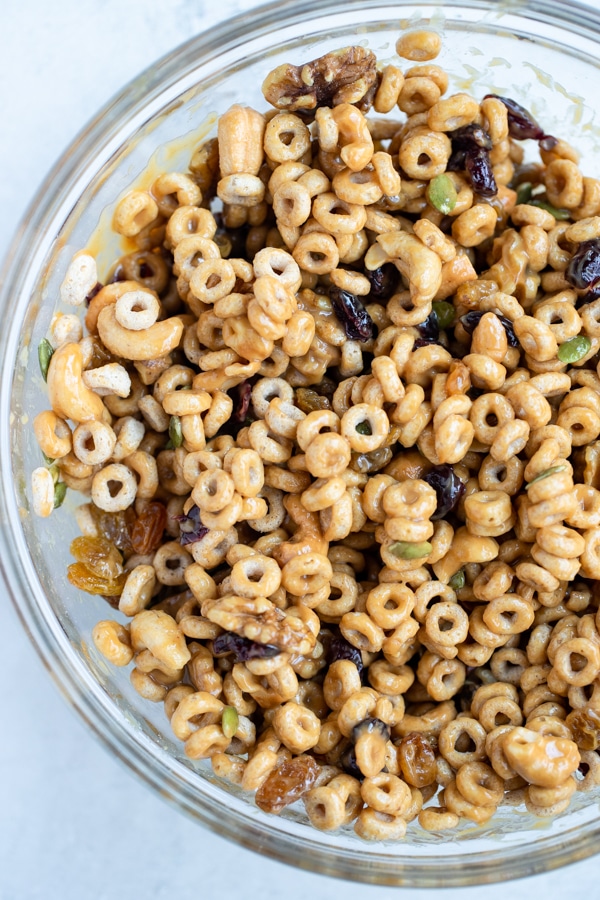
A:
(44, 630)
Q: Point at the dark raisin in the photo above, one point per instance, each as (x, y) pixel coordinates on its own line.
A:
(521, 124)
(357, 322)
(470, 321)
(429, 330)
(470, 137)
(349, 764)
(370, 726)
(190, 527)
(242, 648)
(480, 173)
(448, 487)
(240, 394)
(384, 281)
(339, 648)
(95, 290)
(583, 271)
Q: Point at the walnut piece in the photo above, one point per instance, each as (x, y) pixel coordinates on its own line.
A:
(260, 620)
(343, 76)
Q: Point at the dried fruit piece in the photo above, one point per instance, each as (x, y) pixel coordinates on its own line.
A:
(307, 399)
(242, 648)
(417, 760)
(575, 349)
(190, 527)
(45, 353)
(148, 529)
(81, 577)
(343, 76)
(368, 463)
(357, 322)
(370, 725)
(521, 124)
(287, 783)
(583, 271)
(470, 151)
(115, 527)
(585, 727)
(480, 173)
(472, 319)
(240, 394)
(384, 281)
(339, 648)
(99, 556)
(448, 488)
(429, 331)
(349, 764)
(410, 550)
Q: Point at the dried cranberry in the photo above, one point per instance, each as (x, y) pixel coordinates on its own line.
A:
(190, 527)
(240, 394)
(448, 487)
(548, 142)
(480, 173)
(583, 271)
(357, 322)
(384, 281)
(521, 124)
(429, 330)
(470, 321)
(242, 648)
(339, 648)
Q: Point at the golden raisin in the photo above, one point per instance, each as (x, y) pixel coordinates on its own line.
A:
(99, 556)
(417, 760)
(287, 784)
(585, 727)
(148, 528)
(115, 527)
(83, 578)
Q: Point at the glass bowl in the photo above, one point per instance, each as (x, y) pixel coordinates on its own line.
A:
(544, 53)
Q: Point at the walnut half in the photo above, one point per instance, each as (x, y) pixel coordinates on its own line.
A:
(343, 76)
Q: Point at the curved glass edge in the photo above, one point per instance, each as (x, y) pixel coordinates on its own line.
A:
(47, 636)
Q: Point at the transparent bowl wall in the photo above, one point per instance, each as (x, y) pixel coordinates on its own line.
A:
(542, 54)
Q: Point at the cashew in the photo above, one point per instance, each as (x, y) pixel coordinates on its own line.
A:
(69, 396)
(159, 633)
(240, 135)
(152, 343)
(81, 277)
(419, 265)
(540, 759)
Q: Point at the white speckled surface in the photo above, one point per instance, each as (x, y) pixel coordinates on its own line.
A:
(74, 824)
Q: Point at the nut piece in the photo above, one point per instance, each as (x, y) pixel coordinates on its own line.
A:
(343, 76)
(540, 759)
(260, 620)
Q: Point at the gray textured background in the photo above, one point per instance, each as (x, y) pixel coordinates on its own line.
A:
(74, 824)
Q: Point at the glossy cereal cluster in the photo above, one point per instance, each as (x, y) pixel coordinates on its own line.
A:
(337, 415)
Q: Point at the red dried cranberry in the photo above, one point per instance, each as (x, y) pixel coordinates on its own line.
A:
(190, 527)
(242, 648)
(583, 271)
(448, 488)
(470, 321)
(240, 394)
(521, 124)
(470, 146)
(470, 137)
(480, 173)
(95, 290)
(548, 142)
(357, 322)
(384, 281)
(349, 764)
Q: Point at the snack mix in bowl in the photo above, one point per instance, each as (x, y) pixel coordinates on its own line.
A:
(335, 415)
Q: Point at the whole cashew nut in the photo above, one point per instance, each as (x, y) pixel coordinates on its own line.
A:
(69, 396)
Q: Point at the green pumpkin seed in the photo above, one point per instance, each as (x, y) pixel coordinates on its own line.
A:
(441, 193)
(575, 349)
(457, 582)
(48, 460)
(524, 192)
(410, 550)
(175, 433)
(364, 428)
(444, 313)
(560, 214)
(230, 721)
(45, 353)
(545, 474)
(60, 492)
